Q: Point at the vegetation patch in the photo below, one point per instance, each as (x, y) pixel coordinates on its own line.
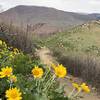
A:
(24, 78)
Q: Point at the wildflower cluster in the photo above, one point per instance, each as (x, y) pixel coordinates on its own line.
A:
(12, 93)
(78, 89)
(39, 84)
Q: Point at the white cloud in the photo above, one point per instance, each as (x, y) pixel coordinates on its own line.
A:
(95, 2)
(87, 6)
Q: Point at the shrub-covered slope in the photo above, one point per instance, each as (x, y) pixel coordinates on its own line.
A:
(79, 50)
(84, 38)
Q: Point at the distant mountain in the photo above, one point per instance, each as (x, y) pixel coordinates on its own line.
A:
(53, 18)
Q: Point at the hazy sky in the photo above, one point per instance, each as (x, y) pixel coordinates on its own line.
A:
(86, 6)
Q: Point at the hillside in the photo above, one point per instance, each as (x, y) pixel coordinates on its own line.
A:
(53, 20)
(84, 38)
(46, 58)
(21, 66)
(79, 50)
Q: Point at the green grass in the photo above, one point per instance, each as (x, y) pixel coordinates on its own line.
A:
(79, 39)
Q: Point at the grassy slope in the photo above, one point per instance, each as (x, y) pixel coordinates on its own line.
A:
(81, 39)
(79, 50)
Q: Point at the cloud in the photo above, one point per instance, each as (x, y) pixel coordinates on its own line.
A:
(95, 4)
(1, 9)
(87, 6)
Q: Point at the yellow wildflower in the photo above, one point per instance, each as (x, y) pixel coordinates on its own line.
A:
(15, 51)
(0, 42)
(37, 72)
(6, 72)
(13, 94)
(4, 43)
(0, 56)
(60, 71)
(53, 66)
(76, 86)
(13, 78)
(85, 88)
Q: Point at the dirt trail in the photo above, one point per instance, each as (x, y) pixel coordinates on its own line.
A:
(46, 57)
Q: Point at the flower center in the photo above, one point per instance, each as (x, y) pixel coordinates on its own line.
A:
(59, 72)
(14, 95)
(36, 72)
(7, 72)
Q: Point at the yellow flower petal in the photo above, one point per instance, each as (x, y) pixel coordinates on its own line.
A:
(13, 94)
(0, 42)
(37, 72)
(6, 72)
(85, 88)
(60, 71)
(76, 86)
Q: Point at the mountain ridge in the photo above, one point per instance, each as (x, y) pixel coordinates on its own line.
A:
(58, 19)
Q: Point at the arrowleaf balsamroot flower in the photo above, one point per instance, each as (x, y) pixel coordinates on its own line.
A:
(60, 71)
(37, 72)
(85, 88)
(53, 66)
(13, 94)
(16, 51)
(1, 42)
(6, 72)
(76, 86)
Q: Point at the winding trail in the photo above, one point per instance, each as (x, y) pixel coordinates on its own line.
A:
(46, 58)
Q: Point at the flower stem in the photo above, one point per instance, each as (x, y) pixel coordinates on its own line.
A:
(77, 93)
(49, 82)
(46, 75)
(71, 93)
(10, 84)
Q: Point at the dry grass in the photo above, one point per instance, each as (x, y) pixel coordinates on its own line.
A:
(21, 38)
(85, 67)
